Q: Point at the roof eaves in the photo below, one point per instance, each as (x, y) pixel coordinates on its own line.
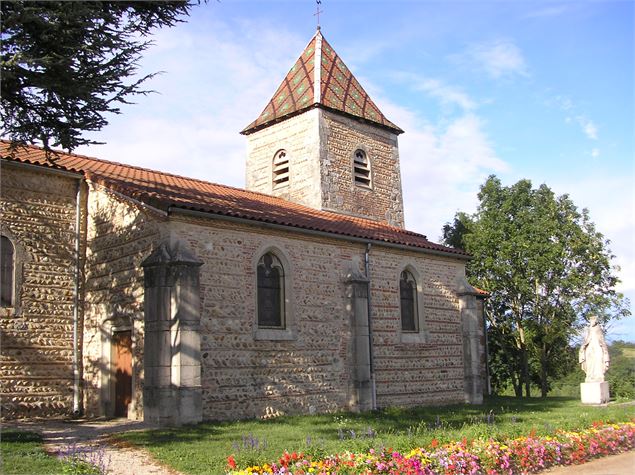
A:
(392, 128)
(253, 127)
(245, 219)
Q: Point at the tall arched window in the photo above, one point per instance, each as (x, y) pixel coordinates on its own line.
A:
(270, 292)
(408, 295)
(7, 259)
(361, 169)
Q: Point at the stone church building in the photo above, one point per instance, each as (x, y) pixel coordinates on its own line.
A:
(136, 293)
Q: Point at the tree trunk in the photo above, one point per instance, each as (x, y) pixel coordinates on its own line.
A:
(525, 360)
(543, 370)
(518, 387)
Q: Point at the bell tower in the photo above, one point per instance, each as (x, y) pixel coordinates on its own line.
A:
(322, 142)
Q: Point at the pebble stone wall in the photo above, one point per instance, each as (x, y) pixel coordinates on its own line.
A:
(298, 136)
(320, 146)
(120, 235)
(38, 215)
(342, 137)
(422, 373)
(245, 377)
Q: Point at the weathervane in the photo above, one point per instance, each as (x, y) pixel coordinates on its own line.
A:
(317, 12)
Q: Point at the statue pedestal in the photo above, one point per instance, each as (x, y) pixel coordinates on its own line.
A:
(594, 393)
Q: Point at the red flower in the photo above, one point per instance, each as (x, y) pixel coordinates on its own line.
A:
(231, 461)
(434, 443)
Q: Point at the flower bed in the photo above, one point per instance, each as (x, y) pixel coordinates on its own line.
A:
(528, 454)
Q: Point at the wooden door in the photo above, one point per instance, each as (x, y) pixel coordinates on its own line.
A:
(122, 367)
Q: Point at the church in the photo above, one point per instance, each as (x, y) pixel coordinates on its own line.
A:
(129, 292)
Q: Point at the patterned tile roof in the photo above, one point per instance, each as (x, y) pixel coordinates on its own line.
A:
(168, 192)
(338, 90)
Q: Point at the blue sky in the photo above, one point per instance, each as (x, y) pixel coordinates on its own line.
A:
(542, 90)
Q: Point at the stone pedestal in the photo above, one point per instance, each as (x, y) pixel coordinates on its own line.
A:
(594, 393)
(362, 396)
(172, 362)
(474, 375)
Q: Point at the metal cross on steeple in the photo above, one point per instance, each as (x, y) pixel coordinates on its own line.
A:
(317, 12)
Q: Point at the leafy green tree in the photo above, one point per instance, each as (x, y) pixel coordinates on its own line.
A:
(67, 64)
(546, 268)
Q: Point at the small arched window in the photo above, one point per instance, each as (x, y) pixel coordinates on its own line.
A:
(361, 169)
(7, 259)
(408, 296)
(270, 292)
(280, 169)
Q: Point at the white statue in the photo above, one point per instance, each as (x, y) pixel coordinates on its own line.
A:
(594, 354)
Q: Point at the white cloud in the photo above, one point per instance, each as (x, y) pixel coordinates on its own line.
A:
(216, 82)
(498, 59)
(611, 202)
(550, 11)
(442, 166)
(588, 127)
(595, 153)
(566, 105)
(445, 93)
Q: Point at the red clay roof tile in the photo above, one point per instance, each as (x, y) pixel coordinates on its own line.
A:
(166, 191)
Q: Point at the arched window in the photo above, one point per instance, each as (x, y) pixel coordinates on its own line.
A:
(280, 169)
(361, 169)
(270, 292)
(7, 259)
(408, 296)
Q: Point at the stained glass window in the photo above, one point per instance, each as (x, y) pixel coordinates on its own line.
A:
(270, 292)
(6, 275)
(408, 295)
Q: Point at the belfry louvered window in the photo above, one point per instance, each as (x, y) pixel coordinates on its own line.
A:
(361, 169)
(408, 295)
(280, 169)
(270, 292)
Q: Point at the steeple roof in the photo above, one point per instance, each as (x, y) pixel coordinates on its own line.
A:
(331, 86)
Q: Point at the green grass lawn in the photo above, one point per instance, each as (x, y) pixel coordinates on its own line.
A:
(22, 453)
(204, 448)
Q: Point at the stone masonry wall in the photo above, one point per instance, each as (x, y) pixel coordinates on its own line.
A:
(38, 215)
(120, 235)
(245, 377)
(410, 374)
(299, 137)
(320, 147)
(342, 137)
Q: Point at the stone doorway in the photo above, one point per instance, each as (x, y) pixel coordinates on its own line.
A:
(122, 369)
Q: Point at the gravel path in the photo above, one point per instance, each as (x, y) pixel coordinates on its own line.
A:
(621, 464)
(122, 460)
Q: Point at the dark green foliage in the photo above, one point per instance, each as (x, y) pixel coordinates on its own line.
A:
(620, 376)
(66, 64)
(621, 373)
(546, 268)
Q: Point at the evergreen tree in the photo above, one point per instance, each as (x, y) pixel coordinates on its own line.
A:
(65, 65)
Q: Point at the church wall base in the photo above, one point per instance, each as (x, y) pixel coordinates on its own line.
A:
(594, 393)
